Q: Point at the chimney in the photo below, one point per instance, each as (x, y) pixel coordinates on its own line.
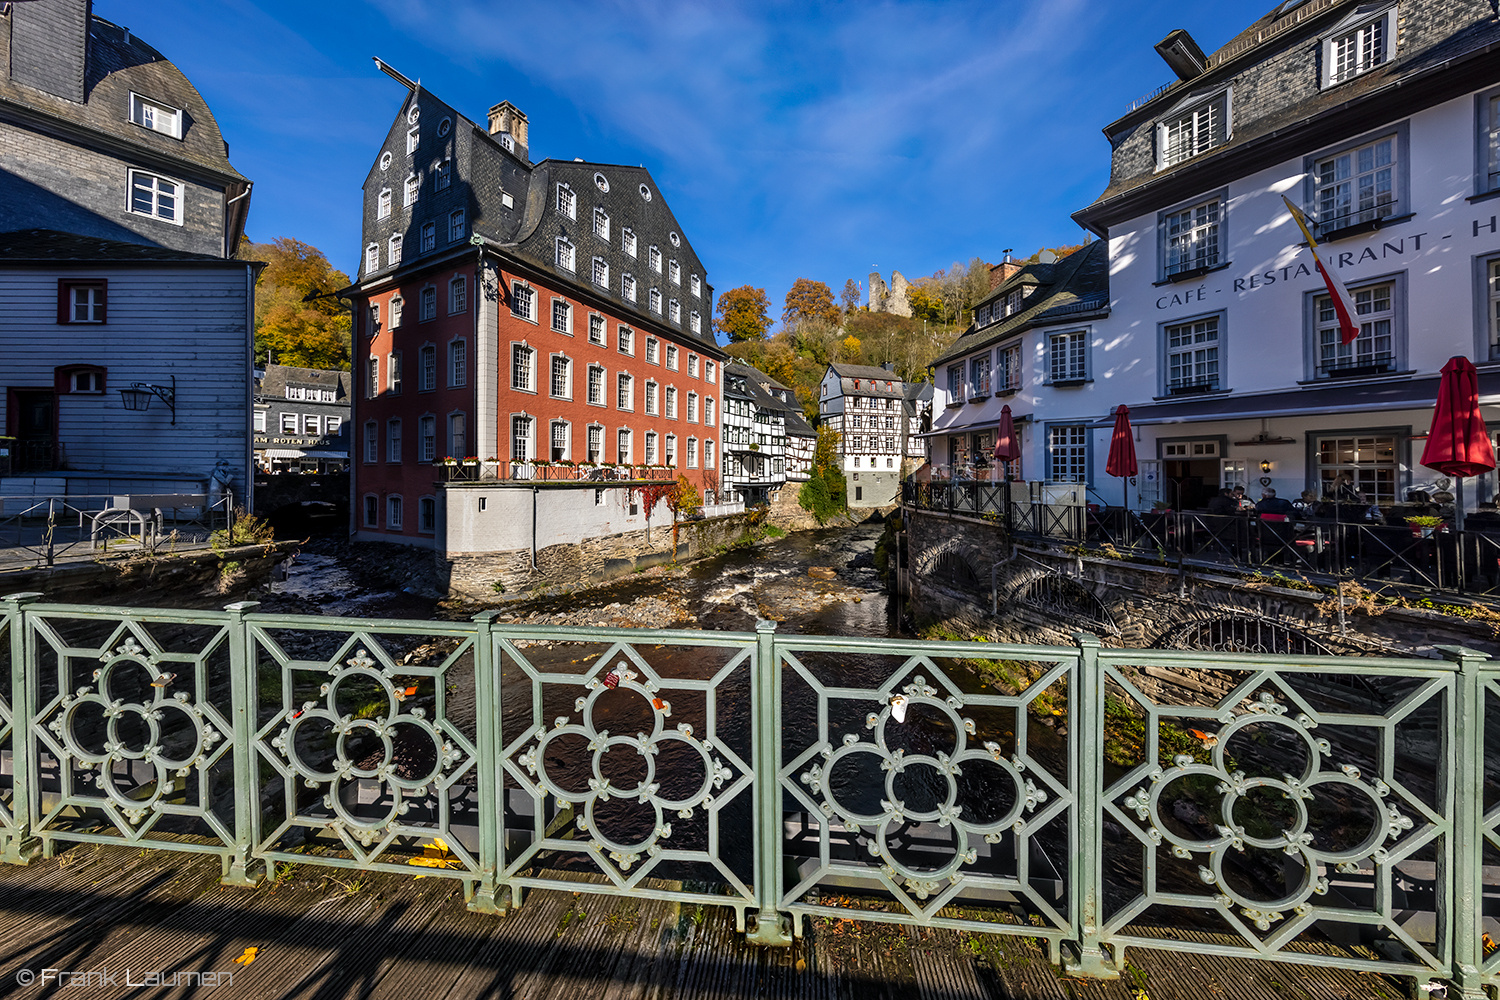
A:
(1003, 271)
(49, 46)
(1182, 55)
(506, 117)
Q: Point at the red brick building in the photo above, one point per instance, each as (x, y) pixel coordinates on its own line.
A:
(529, 336)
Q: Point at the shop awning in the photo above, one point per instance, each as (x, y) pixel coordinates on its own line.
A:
(1406, 394)
(281, 453)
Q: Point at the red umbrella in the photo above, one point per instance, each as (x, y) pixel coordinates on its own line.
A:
(1121, 462)
(1007, 447)
(1458, 444)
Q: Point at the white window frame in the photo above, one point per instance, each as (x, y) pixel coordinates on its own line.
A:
(671, 357)
(1192, 236)
(623, 444)
(393, 254)
(429, 237)
(393, 439)
(1363, 41)
(458, 295)
(565, 254)
(1382, 331)
(653, 258)
(393, 373)
(427, 368)
(1068, 447)
(522, 368)
(598, 329)
(695, 323)
(1073, 364)
(594, 443)
(651, 397)
(567, 201)
(562, 317)
(560, 377)
(696, 284)
(427, 438)
(628, 241)
(600, 272)
(553, 448)
(158, 189)
(458, 225)
(523, 301)
(1343, 196)
(625, 392)
(372, 259)
(596, 375)
(442, 175)
(674, 272)
(653, 300)
(412, 190)
(155, 116)
(1195, 362)
(372, 442)
(627, 287)
(427, 304)
(458, 363)
(625, 341)
(1194, 126)
(601, 223)
(522, 438)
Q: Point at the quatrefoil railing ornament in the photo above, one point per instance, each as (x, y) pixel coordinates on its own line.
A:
(1297, 840)
(948, 814)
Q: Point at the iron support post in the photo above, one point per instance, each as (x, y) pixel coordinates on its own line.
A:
(17, 846)
(487, 896)
(1467, 878)
(243, 715)
(1085, 747)
(771, 928)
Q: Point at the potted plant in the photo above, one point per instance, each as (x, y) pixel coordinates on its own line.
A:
(1423, 525)
(449, 460)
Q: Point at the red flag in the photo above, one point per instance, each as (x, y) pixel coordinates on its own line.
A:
(1342, 305)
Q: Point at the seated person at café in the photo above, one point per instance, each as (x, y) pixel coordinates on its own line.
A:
(1418, 504)
(1224, 503)
(1307, 505)
(1274, 505)
(1241, 501)
(1350, 505)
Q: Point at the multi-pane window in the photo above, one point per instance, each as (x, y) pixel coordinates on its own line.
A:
(696, 284)
(596, 385)
(393, 372)
(566, 254)
(1373, 350)
(458, 364)
(652, 350)
(674, 311)
(427, 439)
(457, 436)
(458, 225)
(655, 301)
(429, 237)
(393, 249)
(1192, 351)
(651, 388)
(1067, 453)
(156, 117)
(692, 453)
(427, 514)
(623, 393)
(601, 224)
(1491, 132)
(708, 454)
(596, 330)
(372, 258)
(627, 340)
(520, 439)
(413, 186)
(559, 441)
(627, 287)
(562, 316)
(627, 242)
(289, 423)
(85, 302)
(654, 257)
(596, 443)
(674, 272)
(562, 376)
(383, 204)
(671, 455)
(672, 357)
(979, 375)
(955, 384)
(1357, 51)
(708, 410)
(693, 365)
(622, 447)
(413, 140)
(567, 201)
(1492, 284)
(1067, 356)
(1009, 376)
(393, 512)
(520, 368)
(523, 301)
(427, 377)
(372, 511)
(671, 399)
(650, 447)
(1356, 185)
(458, 295)
(1370, 461)
(372, 442)
(427, 304)
(393, 440)
(695, 322)
(155, 196)
(372, 378)
(443, 175)
(397, 306)
(1192, 236)
(692, 407)
(708, 371)
(601, 272)
(1196, 130)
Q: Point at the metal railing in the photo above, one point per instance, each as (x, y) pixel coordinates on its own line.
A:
(46, 527)
(1318, 810)
(550, 472)
(1375, 555)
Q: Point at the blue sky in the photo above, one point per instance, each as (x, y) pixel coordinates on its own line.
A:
(791, 139)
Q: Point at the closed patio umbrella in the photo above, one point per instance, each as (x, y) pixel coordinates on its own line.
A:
(1007, 448)
(1458, 444)
(1121, 462)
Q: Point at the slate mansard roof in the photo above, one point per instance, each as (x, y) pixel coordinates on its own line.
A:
(1074, 288)
(1278, 109)
(512, 205)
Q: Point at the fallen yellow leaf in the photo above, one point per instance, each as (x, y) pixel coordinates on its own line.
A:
(247, 957)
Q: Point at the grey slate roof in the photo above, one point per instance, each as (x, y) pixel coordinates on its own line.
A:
(278, 377)
(1079, 288)
(51, 245)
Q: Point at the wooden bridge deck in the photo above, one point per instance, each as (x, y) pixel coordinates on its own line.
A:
(321, 934)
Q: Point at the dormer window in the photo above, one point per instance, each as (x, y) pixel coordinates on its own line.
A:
(674, 272)
(507, 142)
(696, 284)
(383, 205)
(155, 116)
(1191, 129)
(1361, 42)
(413, 185)
(567, 201)
(442, 175)
(601, 224)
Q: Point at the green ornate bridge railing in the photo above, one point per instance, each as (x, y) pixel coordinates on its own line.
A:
(1320, 810)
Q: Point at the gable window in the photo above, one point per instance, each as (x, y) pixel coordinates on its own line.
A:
(372, 258)
(1192, 356)
(596, 330)
(567, 201)
(1067, 453)
(81, 301)
(1375, 349)
(653, 256)
(1067, 356)
(627, 340)
(674, 272)
(562, 377)
(427, 304)
(458, 364)
(429, 237)
(520, 368)
(1359, 44)
(1192, 237)
(458, 225)
(566, 254)
(1193, 130)
(156, 196)
(155, 116)
(523, 302)
(427, 377)
(601, 224)
(1009, 376)
(393, 251)
(520, 439)
(442, 175)
(596, 385)
(458, 295)
(601, 272)
(1358, 185)
(627, 242)
(655, 301)
(413, 186)
(413, 140)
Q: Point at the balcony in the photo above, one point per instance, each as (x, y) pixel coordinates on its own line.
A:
(1358, 366)
(550, 472)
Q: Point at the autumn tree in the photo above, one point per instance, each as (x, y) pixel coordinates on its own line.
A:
(744, 314)
(825, 494)
(290, 329)
(809, 301)
(851, 296)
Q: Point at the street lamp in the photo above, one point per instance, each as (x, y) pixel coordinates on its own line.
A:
(138, 396)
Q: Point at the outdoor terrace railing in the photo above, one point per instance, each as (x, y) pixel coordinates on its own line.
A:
(550, 472)
(1319, 810)
(45, 527)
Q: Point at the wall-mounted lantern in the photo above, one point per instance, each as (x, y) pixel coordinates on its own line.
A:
(138, 396)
